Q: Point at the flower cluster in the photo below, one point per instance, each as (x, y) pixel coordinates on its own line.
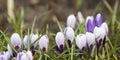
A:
(23, 51)
(95, 34)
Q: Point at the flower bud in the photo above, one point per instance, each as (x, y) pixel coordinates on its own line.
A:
(60, 40)
(71, 21)
(16, 41)
(81, 41)
(43, 42)
(69, 33)
(32, 38)
(90, 37)
(90, 24)
(80, 17)
(98, 20)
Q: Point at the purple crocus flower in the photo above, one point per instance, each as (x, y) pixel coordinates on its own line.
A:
(90, 24)
(60, 41)
(98, 20)
(25, 55)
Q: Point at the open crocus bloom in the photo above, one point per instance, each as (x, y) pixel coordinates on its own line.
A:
(60, 40)
(71, 21)
(81, 41)
(4, 55)
(16, 41)
(98, 20)
(43, 42)
(69, 33)
(90, 24)
(24, 55)
(80, 17)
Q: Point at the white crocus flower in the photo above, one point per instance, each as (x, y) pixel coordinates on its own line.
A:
(60, 40)
(69, 34)
(80, 17)
(99, 34)
(32, 38)
(24, 55)
(43, 42)
(4, 55)
(16, 41)
(81, 41)
(71, 21)
(90, 37)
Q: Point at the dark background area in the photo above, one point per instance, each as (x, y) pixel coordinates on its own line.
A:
(45, 10)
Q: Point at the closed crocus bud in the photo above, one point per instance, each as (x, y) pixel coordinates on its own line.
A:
(69, 33)
(99, 33)
(32, 38)
(90, 38)
(24, 56)
(80, 17)
(98, 20)
(71, 21)
(43, 42)
(90, 24)
(105, 26)
(81, 41)
(60, 40)
(16, 41)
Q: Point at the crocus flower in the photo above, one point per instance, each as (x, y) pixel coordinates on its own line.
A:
(60, 40)
(99, 35)
(24, 55)
(90, 24)
(80, 17)
(4, 55)
(32, 38)
(81, 41)
(90, 38)
(69, 33)
(98, 20)
(16, 41)
(43, 42)
(71, 21)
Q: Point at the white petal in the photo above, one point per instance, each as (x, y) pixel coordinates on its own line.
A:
(16, 40)
(25, 42)
(43, 42)
(80, 17)
(10, 50)
(71, 21)
(60, 39)
(3, 57)
(105, 26)
(90, 38)
(81, 41)
(99, 33)
(69, 33)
